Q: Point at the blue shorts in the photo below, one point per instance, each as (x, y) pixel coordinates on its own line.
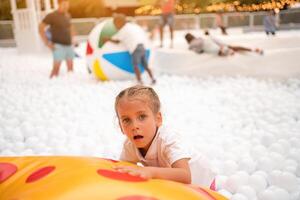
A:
(63, 52)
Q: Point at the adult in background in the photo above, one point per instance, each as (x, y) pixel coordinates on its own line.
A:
(270, 23)
(220, 23)
(167, 18)
(59, 22)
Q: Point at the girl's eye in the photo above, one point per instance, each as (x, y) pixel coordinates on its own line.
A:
(125, 121)
(142, 117)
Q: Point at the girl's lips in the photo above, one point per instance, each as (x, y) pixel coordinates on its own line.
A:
(137, 137)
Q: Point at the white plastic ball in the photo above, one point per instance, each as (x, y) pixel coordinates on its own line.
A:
(266, 195)
(261, 173)
(267, 139)
(257, 182)
(274, 177)
(232, 183)
(278, 148)
(247, 191)
(288, 181)
(229, 167)
(281, 194)
(247, 164)
(258, 151)
(266, 164)
(278, 159)
(243, 176)
(238, 197)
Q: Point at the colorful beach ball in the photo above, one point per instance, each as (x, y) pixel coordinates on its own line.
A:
(109, 61)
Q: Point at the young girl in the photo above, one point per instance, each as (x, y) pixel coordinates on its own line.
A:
(140, 119)
(159, 150)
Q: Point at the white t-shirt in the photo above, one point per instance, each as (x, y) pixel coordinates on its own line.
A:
(163, 152)
(196, 45)
(210, 45)
(130, 35)
(166, 148)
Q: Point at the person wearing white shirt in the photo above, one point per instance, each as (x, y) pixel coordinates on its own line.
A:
(212, 45)
(133, 38)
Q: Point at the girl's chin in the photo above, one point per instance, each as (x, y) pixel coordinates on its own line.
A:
(140, 144)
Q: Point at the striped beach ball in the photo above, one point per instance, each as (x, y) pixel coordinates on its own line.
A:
(109, 61)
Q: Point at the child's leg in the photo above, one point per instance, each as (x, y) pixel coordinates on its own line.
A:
(136, 59)
(137, 73)
(239, 48)
(145, 65)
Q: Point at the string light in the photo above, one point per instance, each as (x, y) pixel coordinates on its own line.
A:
(224, 7)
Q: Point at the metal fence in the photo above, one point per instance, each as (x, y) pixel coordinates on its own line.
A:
(249, 21)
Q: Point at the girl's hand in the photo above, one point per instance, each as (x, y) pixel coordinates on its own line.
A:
(135, 171)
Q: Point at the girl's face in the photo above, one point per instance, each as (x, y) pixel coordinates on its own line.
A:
(138, 122)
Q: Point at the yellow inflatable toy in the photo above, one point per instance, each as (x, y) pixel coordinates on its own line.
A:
(82, 178)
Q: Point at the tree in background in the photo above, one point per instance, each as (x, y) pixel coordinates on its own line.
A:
(5, 9)
(78, 8)
(87, 8)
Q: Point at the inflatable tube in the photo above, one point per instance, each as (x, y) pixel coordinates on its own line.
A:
(109, 61)
(82, 178)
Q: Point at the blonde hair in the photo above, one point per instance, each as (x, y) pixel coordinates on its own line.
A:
(140, 91)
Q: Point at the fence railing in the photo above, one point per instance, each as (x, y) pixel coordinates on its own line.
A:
(249, 21)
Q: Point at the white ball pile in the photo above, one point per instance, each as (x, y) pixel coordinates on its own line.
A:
(249, 129)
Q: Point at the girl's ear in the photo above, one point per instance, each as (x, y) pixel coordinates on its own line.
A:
(158, 119)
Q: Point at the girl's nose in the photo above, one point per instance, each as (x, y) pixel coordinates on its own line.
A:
(135, 124)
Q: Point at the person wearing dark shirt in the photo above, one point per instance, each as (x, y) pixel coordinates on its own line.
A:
(61, 31)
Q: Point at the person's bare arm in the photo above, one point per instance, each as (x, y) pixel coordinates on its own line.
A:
(42, 27)
(108, 39)
(179, 172)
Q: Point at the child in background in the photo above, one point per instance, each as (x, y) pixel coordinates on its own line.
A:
(133, 38)
(157, 149)
(270, 23)
(206, 45)
(230, 49)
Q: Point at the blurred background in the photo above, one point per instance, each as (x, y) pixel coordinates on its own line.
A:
(190, 14)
